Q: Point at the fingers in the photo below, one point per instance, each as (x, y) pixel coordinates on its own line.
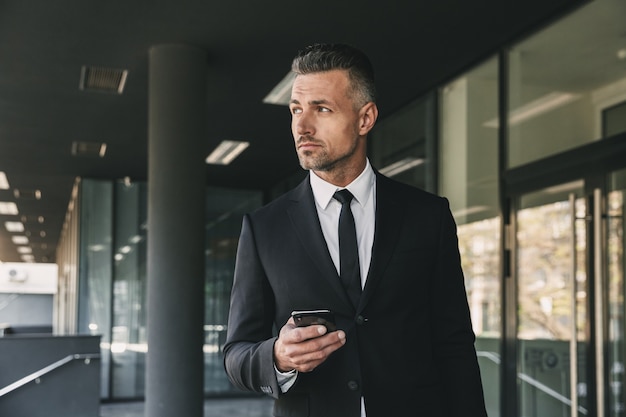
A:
(308, 355)
(305, 348)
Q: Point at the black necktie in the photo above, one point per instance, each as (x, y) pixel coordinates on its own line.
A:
(348, 248)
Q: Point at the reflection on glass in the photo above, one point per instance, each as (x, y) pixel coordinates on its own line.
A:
(562, 79)
(224, 215)
(545, 281)
(400, 145)
(616, 236)
(129, 339)
(468, 177)
(113, 279)
(479, 244)
(95, 272)
(552, 299)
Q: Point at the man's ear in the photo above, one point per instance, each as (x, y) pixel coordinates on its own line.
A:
(367, 119)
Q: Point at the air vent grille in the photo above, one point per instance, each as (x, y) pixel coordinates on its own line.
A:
(105, 80)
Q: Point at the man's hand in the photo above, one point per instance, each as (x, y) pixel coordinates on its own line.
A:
(305, 348)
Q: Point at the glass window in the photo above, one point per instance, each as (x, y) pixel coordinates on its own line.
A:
(401, 145)
(562, 79)
(468, 162)
(224, 214)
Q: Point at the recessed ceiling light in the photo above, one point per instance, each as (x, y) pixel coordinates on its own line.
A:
(226, 152)
(24, 249)
(20, 240)
(8, 207)
(14, 226)
(4, 182)
(27, 194)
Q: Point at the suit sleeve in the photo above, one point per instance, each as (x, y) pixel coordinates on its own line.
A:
(452, 333)
(249, 348)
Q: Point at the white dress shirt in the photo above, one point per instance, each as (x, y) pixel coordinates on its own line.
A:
(363, 207)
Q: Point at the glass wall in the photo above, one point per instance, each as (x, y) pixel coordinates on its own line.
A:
(565, 80)
(402, 145)
(128, 334)
(224, 214)
(468, 177)
(112, 279)
(552, 282)
(616, 269)
(95, 223)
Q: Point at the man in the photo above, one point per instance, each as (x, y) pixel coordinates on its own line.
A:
(404, 345)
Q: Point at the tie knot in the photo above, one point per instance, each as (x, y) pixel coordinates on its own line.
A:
(343, 196)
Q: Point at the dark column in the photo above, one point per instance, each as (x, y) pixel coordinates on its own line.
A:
(176, 195)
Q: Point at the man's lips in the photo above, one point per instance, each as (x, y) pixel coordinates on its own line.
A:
(307, 143)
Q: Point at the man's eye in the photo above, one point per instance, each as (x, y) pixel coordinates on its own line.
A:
(324, 109)
(296, 110)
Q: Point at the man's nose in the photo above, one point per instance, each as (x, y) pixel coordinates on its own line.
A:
(304, 125)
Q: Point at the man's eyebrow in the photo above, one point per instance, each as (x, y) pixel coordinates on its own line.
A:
(317, 102)
(312, 102)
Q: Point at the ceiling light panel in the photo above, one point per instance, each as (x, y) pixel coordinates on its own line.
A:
(281, 93)
(28, 258)
(401, 166)
(14, 226)
(8, 207)
(4, 182)
(226, 152)
(20, 240)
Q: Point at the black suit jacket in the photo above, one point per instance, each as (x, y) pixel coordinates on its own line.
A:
(410, 345)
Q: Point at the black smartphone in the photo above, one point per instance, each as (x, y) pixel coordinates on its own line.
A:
(304, 318)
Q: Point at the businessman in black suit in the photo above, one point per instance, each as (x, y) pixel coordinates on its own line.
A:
(404, 344)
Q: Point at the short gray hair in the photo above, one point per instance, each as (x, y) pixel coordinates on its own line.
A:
(322, 57)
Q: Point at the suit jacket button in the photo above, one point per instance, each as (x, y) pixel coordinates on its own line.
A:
(360, 320)
(353, 385)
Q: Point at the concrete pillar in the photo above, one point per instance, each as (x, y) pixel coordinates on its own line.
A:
(176, 193)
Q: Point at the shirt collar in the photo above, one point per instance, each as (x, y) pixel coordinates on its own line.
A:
(360, 188)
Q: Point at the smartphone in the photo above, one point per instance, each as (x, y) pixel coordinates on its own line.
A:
(304, 318)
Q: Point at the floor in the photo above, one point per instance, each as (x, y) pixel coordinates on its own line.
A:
(231, 407)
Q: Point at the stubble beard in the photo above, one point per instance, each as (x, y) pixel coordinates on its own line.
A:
(319, 160)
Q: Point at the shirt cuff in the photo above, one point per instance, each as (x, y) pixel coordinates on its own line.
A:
(285, 379)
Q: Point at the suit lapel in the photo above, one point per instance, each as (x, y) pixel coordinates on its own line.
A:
(303, 216)
(389, 218)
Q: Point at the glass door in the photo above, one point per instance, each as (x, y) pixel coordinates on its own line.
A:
(569, 267)
(552, 301)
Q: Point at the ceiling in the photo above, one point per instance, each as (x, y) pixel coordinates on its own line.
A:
(414, 46)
